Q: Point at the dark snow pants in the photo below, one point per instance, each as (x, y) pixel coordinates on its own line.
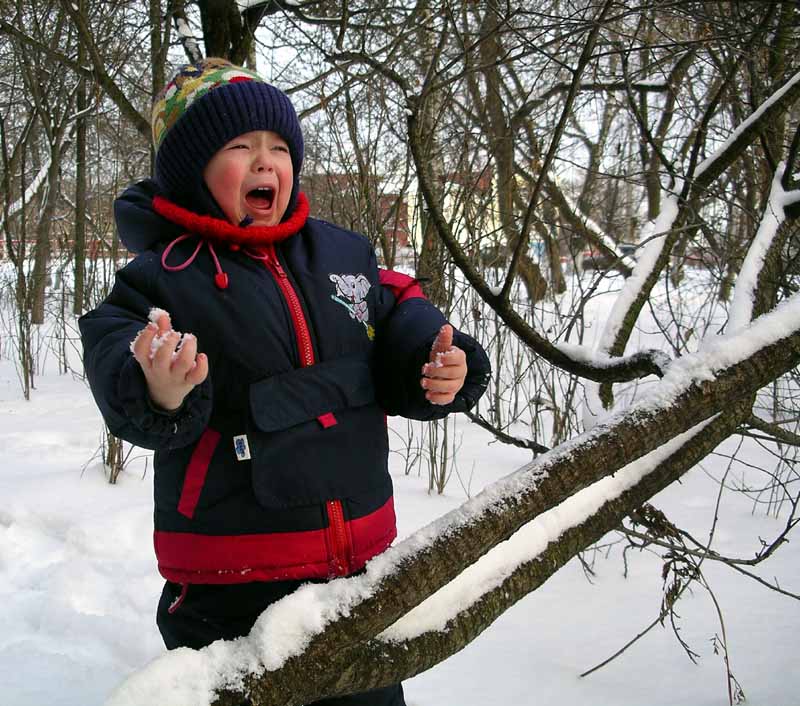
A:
(204, 613)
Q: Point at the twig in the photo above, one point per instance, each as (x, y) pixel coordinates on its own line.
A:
(507, 438)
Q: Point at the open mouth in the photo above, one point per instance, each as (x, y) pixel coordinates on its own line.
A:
(260, 199)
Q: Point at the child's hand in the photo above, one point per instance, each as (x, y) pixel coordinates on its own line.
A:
(171, 370)
(444, 375)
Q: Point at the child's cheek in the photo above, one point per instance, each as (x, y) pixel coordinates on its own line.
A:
(225, 186)
(230, 177)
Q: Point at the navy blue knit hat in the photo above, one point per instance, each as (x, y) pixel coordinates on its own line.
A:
(203, 107)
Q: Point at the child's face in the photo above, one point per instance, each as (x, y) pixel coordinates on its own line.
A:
(252, 176)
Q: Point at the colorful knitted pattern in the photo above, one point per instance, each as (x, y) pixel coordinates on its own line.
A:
(190, 83)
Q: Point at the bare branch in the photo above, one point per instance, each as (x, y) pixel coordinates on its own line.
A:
(554, 143)
(99, 73)
(507, 438)
(774, 430)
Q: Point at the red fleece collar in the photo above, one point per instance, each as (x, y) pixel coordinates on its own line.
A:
(220, 231)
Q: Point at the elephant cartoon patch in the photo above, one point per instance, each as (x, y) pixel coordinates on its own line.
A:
(351, 293)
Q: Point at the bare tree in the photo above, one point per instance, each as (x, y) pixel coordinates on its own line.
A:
(533, 134)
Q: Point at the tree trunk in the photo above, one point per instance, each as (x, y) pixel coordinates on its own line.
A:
(79, 247)
(41, 254)
(501, 144)
(431, 264)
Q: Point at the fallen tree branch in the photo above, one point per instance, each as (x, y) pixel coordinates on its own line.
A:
(385, 660)
(355, 610)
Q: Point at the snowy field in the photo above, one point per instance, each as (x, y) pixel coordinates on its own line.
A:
(78, 583)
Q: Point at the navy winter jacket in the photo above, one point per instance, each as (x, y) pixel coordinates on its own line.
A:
(276, 466)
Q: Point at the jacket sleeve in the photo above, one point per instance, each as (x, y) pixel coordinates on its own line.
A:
(407, 324)
(116, 379)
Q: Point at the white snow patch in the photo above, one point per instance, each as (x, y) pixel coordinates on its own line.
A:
(741, 310)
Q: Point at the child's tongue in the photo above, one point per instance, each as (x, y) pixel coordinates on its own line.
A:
(259, 198)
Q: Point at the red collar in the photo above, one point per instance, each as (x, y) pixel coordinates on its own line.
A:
(219, 231)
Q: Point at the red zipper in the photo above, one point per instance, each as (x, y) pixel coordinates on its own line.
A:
(340, 544)
(339, 538)
(301, 332)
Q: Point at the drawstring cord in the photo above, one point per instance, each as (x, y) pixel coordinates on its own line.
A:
(237, 237)
(220, 278)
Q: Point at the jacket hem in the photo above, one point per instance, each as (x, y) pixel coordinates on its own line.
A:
(185, 557)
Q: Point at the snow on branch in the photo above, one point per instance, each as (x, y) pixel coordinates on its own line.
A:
(599, 359)
(187, 38)
(323, 619)
(710, 169)
(244, 5)
(526, 545)
(741, 310)
(749, 124)
(617, 370)
(295, 7)
(30, 191)
(655, 237)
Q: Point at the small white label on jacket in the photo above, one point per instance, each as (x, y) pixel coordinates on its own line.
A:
(241, 447)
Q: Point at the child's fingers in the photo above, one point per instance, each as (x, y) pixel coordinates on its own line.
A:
(141, 345)
(444, 375)
(164, 323)
(443, 341)
(162, 359)
(447, 372)
(453, 358)
(183, 360)
(440, 399)
(442, 386)
(189, 365)
(200, 371)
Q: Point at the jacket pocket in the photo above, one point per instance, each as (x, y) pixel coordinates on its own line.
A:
(286, 400)
(316, 434)
(196, 472)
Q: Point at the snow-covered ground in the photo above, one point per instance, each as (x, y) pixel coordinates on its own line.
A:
(78, 584)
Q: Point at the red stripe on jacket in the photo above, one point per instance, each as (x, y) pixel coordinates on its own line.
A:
(185, 557)
(196, 472)
(402, 286)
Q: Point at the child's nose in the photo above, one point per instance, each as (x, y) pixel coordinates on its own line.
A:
(263, 161)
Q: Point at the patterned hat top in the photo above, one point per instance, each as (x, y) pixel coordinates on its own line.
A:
(190, 83)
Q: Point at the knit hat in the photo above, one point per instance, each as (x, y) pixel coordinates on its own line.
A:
(203, 107)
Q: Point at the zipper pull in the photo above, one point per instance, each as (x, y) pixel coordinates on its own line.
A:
(275, 263)
(281, 273)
